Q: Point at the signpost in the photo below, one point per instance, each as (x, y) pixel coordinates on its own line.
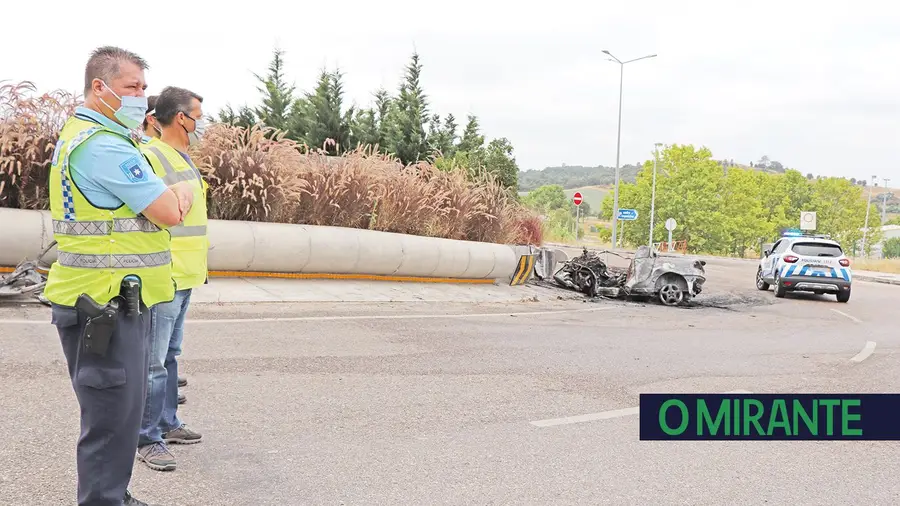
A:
(807, 220)
(577, 199)
(628, 214)
(670, 226)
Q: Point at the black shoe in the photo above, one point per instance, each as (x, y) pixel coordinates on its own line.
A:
(131, 501)
(182, 381)
(181, 399)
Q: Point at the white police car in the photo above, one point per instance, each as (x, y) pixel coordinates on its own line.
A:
(805, 263)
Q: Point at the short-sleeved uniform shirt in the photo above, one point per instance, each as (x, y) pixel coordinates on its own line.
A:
(110, 171)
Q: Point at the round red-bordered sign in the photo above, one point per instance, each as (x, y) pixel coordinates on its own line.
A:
(577, 198)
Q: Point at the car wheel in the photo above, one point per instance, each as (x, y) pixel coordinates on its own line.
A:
(671, 294)
(779, 288)
(843, 296)
(760, 282)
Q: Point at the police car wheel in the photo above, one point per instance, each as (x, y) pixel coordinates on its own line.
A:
(779, 288)
(760, 283)
(843, 296)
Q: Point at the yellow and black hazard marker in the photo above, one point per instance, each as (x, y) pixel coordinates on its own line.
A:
(523, 270)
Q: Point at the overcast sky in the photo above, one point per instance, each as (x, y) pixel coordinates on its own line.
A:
(813, 84)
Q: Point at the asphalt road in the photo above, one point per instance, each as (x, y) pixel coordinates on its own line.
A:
(433, 404)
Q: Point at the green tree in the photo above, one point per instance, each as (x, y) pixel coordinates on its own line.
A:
(325, 117)
(277, 95)
(243, 118)
(408, 139)
(547, 198)
(891, 248)
(499, 160)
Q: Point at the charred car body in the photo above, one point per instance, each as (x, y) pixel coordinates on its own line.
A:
(673, 279)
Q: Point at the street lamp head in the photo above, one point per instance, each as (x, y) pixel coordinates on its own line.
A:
(605, 51)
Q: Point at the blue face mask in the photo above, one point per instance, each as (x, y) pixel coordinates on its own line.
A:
(132, 111)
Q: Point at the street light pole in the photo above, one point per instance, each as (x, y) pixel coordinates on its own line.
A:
(866, 227)
(884, 197)
(653, 193)
(615, 215)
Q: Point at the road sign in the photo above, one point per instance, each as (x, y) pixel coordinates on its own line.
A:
(807, 220)
(671, 224)
(628, 214)
(577, 198)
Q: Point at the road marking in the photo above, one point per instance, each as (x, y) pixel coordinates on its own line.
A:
(603, 415)
(362, 317)
(865, 353)
(857, 320)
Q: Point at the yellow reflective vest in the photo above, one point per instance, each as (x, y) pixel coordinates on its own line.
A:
(190, 243)
(97, 248)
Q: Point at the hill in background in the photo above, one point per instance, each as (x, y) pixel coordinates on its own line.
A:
(575, 176)
(578, 176)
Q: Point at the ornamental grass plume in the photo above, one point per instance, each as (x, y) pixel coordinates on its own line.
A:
(29, 129)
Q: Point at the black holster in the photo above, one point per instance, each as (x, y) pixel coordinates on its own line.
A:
(100, 323)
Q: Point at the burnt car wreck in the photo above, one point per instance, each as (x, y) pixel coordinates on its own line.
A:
(672, 279)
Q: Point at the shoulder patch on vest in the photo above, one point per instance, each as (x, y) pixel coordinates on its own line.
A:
(132, 169)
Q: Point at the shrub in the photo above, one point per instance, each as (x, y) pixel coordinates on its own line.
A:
(255, 174)
(29, 129)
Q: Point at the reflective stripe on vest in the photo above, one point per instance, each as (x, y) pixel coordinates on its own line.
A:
(121, 225)
(172, 176)
(126, 261)
(183, 231)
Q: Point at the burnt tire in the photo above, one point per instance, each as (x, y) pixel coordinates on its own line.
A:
(672, 289)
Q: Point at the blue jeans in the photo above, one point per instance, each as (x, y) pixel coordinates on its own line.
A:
(166, 335)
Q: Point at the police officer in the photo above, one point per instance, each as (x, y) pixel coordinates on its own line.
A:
(109, 214)
(152, 133)
(179, 118)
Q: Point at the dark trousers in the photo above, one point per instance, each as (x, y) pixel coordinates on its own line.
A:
(111, 392)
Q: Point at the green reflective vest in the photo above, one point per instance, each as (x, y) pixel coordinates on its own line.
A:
(190, 243)
(97, 248)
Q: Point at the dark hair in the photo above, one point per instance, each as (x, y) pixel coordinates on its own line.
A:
(171, 101)
(151, 104)
(104, 64)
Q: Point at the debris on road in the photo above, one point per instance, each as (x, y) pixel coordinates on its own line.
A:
(673, 279)
(26, 279)
(590, 275)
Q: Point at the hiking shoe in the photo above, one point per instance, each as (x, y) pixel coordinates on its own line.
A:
(131, 501)
(181, 399)
(182, 381)
(182, 436)
(157, 457)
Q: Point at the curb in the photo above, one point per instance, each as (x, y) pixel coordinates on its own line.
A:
(884, 281)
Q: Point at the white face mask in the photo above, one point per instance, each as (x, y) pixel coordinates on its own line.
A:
(199, 129)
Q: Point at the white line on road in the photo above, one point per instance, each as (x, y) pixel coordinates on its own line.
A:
(865, 353)
(360, 317)
(857, 320)
(603, 415)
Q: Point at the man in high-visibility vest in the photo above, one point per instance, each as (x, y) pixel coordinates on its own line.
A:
(179, 116)
(152, 132)
(109, 215)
